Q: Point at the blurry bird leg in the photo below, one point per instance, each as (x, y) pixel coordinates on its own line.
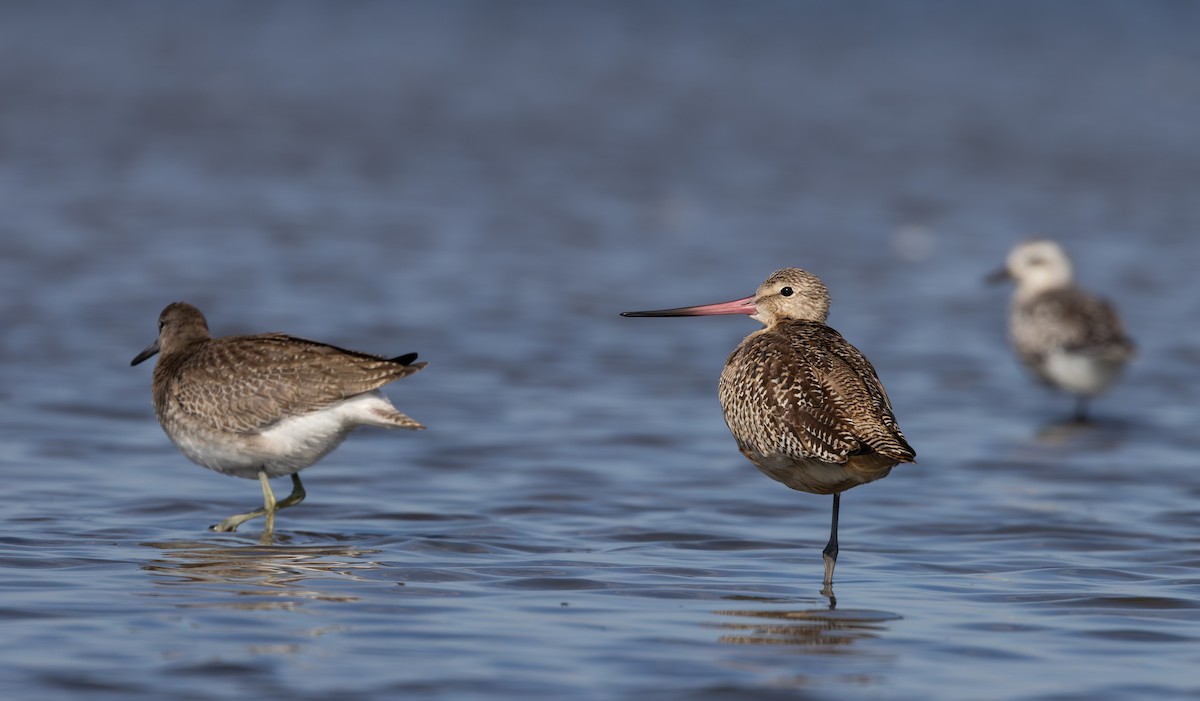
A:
(1081, 409)
(830, 552)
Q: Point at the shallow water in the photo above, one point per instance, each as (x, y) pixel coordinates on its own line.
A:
(489, 184)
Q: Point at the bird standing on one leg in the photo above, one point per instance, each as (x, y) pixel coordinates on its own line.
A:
(267, 405)
(1069, 339)
(804, 405)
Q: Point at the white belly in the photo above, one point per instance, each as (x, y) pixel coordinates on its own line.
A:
(286, 447)
(1080, 373)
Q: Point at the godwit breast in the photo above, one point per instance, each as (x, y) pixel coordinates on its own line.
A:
(805, 406)
(267, 405)
(1069, 339)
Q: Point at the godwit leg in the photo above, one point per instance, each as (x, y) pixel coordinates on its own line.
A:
(831, 548)
(269, 505)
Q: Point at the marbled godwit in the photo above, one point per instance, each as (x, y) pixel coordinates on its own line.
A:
(267, 405)
(1068, 339)
(804, 405)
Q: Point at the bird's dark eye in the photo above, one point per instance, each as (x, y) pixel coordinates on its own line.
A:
(161, 324)
(786, 292)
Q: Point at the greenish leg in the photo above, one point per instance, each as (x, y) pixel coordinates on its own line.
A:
(268, 501)
(269, 506)
(297, 494)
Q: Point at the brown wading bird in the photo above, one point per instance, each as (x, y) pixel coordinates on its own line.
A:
(804, 405)
(264, 406)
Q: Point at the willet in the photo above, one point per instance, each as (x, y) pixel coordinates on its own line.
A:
(267, 405)
(804, 405)
(1069, 339)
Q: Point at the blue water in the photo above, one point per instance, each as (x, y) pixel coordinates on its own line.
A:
(489, 184)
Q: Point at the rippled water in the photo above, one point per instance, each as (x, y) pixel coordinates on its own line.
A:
(489, 184)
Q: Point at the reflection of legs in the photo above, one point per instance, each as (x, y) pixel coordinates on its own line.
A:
(269, 505)
(831, 548)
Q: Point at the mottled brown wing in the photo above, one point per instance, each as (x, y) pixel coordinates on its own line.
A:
(801, 390)
(261, 379)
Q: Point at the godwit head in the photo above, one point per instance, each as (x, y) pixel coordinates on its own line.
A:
(790, 294)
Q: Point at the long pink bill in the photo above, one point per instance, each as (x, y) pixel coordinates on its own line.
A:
(737, 306)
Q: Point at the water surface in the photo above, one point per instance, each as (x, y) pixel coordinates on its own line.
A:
(489, 184)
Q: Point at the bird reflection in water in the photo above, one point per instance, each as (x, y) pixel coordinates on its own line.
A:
(283, 574)
(820, 628)
(1105, 434)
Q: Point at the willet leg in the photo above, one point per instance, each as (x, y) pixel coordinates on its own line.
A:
(831, 548)
(230, 524)
(268, 501)
(296, 496)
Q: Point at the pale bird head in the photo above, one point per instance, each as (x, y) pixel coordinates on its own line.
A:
(1038, 266)
(791, 294)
